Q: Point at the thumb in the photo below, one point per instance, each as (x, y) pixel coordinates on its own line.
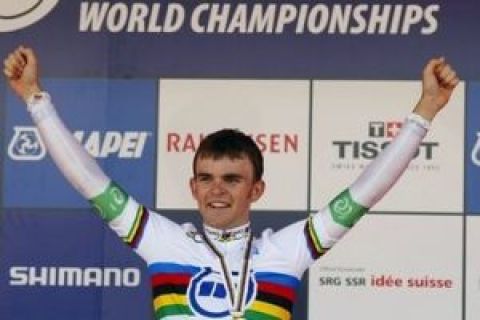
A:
(433, 66)
(28, 55)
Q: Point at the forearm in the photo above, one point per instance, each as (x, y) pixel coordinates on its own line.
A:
(386, 169)
(335, 219)
(71, 158)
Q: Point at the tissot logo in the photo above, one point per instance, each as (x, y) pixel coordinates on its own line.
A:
(379, 129)
(380, 133)
(18, 14)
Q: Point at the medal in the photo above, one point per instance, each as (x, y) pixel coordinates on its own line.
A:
(236, 299)
(237, 315)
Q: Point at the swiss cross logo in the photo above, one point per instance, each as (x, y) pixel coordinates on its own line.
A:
(381, 129)
(393, 127)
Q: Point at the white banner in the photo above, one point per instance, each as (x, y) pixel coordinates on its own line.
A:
(391, 267)
(354, 120)
(274, 113)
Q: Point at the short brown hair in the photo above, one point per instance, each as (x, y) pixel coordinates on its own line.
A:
(231, 143)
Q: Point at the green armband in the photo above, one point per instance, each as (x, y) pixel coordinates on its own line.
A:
(110, 203)
(345, 211)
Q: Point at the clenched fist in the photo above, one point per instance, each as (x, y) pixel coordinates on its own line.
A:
(439, 80)
(21, 70)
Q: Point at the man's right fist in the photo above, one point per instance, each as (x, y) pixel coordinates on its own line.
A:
(21, 70)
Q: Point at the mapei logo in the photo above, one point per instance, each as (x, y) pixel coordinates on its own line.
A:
(18, 14)
(27, 145)
(475, 156)
(208, 296)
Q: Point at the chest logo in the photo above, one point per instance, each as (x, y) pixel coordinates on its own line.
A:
(208, 295)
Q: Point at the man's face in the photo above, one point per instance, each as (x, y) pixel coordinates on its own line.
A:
(224, 189)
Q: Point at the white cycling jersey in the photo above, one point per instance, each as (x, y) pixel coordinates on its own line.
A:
(188, 280)
(192, 279)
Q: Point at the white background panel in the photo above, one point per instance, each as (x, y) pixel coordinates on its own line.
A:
(344, 110)
(276, 109)
(403, 247)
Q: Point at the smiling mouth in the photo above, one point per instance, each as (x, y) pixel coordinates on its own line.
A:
(218, 205)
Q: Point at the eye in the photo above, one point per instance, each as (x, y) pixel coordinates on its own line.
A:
(232, 179)
(203, 178)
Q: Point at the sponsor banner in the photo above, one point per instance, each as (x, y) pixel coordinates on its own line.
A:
(472, 176)
(472, 282)
(111, 119)
(228, 38)
(392, 267)
(354, 120)
(274, 113)
(64, 270)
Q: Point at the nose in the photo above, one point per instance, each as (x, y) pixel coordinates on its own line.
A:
(217, 188)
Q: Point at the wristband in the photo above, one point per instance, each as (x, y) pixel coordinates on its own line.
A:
(39, 106)
(36, 98)
(418, 119)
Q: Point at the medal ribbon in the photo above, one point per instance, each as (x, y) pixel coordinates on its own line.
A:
(237, 312)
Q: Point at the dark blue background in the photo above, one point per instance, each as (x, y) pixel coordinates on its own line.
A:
(472, 177)
(86, 105)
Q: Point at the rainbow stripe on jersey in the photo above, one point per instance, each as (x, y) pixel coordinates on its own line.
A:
(169, 288)
(275, 297)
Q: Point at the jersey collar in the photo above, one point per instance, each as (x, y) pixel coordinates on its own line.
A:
(228, 235)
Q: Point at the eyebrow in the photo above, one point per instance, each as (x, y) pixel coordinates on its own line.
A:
(224, 176)
(232, 176)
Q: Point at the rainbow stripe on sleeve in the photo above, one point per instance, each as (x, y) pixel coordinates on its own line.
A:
(275, 297)
(136, 231)
(313, 243)
(170, 283)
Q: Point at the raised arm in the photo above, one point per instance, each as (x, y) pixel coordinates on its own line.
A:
(334, 220)
(21, 69)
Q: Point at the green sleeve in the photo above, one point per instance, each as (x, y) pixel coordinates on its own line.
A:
(345, 211)
(111, 202)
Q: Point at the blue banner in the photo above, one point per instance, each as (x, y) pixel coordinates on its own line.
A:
(54, 265)
(344, 39)
(115, 120)
(472, 174)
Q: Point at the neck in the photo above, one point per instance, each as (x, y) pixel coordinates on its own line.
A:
(226, 235)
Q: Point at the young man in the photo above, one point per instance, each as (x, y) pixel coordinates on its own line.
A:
(221, 271)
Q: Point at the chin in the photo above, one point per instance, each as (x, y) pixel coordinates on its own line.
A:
(220, 224)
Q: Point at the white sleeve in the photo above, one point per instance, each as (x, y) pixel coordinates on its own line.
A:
(387, 168)
(72, 159)
(329, 225)
(136, 225)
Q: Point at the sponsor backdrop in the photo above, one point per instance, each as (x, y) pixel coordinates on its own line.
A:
(321, 86)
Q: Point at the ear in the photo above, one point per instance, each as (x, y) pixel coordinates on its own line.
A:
(193, 187)
(257, 190)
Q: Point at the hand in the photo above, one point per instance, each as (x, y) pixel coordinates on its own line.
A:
(21, 71)
(439, 81)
